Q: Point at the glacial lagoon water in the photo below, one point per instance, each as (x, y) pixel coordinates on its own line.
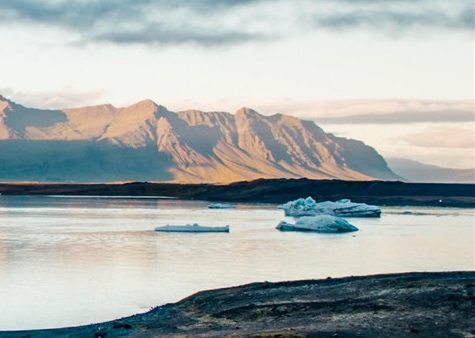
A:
(68, 261)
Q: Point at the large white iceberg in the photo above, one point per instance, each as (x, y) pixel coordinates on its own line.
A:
(341, 208)
(321, 223)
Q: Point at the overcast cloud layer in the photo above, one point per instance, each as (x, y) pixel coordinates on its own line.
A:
(437, 138)
(218, 23)
(404, 117)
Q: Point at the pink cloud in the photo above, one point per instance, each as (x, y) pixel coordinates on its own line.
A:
(441, 137)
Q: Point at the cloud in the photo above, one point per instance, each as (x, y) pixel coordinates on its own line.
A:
(53, 99)
(442, 137)
(374, 111)
(398, 16)
(138, 21)
(218, 23)
(452, 115)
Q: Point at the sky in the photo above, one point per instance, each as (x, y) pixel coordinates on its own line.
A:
(398, 75)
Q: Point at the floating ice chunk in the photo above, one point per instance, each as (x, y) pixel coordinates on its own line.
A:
(221, 206)
(321, 223)
(191, 228)
(342, 208)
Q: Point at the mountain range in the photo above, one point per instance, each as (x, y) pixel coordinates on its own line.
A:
(414, 171)
(147, 142)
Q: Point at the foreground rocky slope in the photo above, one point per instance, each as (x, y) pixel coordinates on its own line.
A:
(147, 142)
(395, 305)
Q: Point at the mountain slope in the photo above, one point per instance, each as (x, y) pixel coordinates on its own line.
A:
(415, 171)
(145, 141)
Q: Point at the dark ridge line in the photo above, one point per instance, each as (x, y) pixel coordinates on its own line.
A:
(390, 193)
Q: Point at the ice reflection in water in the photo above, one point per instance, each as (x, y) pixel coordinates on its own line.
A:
(71, 261)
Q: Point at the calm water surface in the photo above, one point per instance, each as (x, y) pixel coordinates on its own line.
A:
(76, 260)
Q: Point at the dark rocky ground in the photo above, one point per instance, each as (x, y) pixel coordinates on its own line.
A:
(273, 191)
(393, 305)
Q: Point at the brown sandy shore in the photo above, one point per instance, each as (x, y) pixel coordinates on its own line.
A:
(437, 304)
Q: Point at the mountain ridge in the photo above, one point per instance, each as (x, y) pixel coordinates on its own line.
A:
(146, 141)
(414, 171)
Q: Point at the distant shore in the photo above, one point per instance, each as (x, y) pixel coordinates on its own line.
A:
(438, 304)
(383, 193)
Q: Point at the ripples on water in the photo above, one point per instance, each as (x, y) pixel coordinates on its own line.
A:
(74, 260)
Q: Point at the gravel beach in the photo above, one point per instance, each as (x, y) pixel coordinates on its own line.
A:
(438, 304)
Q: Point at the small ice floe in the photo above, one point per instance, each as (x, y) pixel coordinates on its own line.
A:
(191, 228)
(221, 206)
(341, 208)
(321, 223)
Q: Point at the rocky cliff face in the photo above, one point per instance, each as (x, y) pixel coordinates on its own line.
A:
(145, 141)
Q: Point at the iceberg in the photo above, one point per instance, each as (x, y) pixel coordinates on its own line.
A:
(191, 228)
(321, 223)
(341, 208)
(221, 206)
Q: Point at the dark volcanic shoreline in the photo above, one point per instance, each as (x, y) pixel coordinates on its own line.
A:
(437, 304)
(389, 193)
